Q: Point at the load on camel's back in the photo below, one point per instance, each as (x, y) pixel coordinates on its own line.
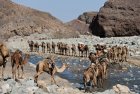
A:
(4, 53)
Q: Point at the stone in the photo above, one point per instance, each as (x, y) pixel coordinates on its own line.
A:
(117, 18)
(6, 88)
(120, 89)
(81, 24)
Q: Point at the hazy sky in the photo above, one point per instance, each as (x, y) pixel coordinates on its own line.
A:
(64, 10)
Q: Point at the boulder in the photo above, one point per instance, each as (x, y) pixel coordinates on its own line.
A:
(122, 89)
(6, 89)
(81, 24)
(117, 18)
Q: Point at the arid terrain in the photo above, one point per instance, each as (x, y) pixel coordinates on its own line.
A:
(117, 21)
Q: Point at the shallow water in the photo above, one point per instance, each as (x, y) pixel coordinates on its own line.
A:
(129, 77)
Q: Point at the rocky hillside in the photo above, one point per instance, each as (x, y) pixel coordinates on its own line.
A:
(117, 18)
(20, 20)
(81, 24)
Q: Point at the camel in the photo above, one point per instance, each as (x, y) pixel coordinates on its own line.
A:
(59, 46)
(47, 65)
(115, 53)
(31, 45)
(99, 74)
(17, 61)
(109, 54)
(93, 58)
(43, 47)
(99, 59)
(36, 46)
(53, 47)
(119, 52)
(124, 53)
(4, 52)
(90, 75)
(63, 48)
(83, 48)
(73, 48)
(48, 47)
(86, 49)
(66, 49)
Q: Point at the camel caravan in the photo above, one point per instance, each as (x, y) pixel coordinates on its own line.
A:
(96, 73)
(62, 48)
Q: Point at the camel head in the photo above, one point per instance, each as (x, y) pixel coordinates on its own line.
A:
(27, 55)
(63, 67)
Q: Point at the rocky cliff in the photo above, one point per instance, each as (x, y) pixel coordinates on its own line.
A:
(81, 24)
(117, 18)
(20, 20)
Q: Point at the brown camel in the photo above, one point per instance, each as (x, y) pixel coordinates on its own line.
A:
(53, 47)
(100, 74)
(124, 53)
(90, 75)
(48, 47)
(66, 49)
(73, 48)
(17, 61)
(93, 58)
(31, 45)
(43, 47)
(4, 52)
(102, 64)
(81, 49)
(115, 53)
(36, 46)
(119, 53)
(59, 47)
(47, 65)
(109, 53)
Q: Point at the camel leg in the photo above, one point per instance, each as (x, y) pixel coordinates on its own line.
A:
(85, 85)
(52, 79)
(18, 71)
(13, 72)
(22, 71)
(3, 68)
(37, 75)
(94, 82)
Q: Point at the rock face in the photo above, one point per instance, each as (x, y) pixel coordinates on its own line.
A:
(87, 17)
(19, 20)
(81, 24)
(117, 18)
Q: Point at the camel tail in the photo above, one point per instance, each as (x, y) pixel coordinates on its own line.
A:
(37, 67)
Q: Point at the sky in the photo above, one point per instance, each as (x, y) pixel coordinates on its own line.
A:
(65, 10)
